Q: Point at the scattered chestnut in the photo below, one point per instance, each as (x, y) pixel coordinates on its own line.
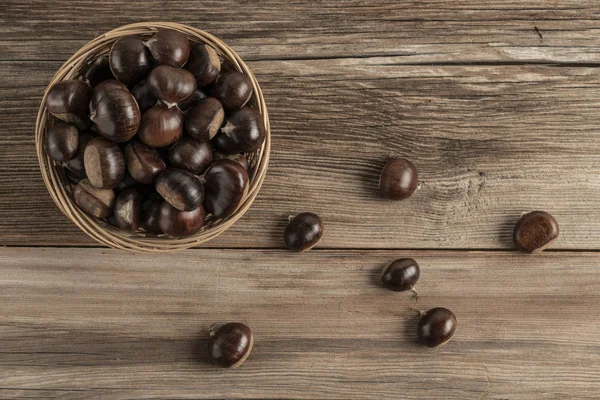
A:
(191, 155)
(94, 201)
(180, 188)
(127, 210)
(169, 47)
(130, 61)
(161, 126)
(177, 223)
(233, 89)
(171, 85)
(398, 179)
(76, 164)
(244, 132)
(401, 274)
(436, 327)
(190, 101)
(98, 71)
(143, 162)
(535, 231)
(69, 101)
(225, 186)
(101, 89)
(204, 119)
(116, 115)
(231, 345)
(62, 141)
(141, 93)
(303, 232)
(204, 64)
(104, 163)
(150, 214)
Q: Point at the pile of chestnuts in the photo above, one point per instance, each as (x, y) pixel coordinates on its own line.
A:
(154, 135)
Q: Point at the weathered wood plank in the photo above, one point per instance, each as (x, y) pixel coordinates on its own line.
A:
(90, 323)
(490, 143)
(419, 31)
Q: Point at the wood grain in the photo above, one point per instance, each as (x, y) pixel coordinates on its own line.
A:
(91, 323)
(423, 31)
(490, 142)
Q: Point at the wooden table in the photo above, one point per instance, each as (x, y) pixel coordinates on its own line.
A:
(497, 103)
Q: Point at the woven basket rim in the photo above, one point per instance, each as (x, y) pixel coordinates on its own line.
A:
(102, 232)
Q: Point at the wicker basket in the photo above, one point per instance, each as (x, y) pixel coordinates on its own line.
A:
(60, 189)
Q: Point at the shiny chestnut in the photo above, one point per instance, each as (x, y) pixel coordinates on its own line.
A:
(191, 155)
(401, 274)
(244, 132)
(233, 89)
(116, 115)
(101, 89)
(303, 232)
(204, 119)
(204, 64)
(535, 231)
(145, 99)
(180, 188)
(76, 163)
(127, 210)
(130, 61)
(169, 47)
(226, 186)
(398, 179)
(69, 101)
(143, 162)
(104, 163)
(97, 71)
(161, 126)
(177, 223)
(151, 213)
(171, 85)
(62, 141)
(436, 327)
(94, 201)
(231, 345)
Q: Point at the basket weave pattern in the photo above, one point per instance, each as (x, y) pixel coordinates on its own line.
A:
(60, 189)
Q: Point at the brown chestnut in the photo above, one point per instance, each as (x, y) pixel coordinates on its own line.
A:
(204, 119)
(191, 155)
(151, 213)
(239, 158)
(169, 47)
(141, 93)
(130, 61)
(94, 201)
(101, 89)
(436, 327)
(230, 345)
(117, 116)
(70, 101)
(62, 141)
(535, 231)
(127, 210)
(303, 232)
(104, 163)
(244, 132)
(161, 126)
(233, 89)
(190, 101)
(398, 179)
(177, 223)
(143, 162)
(171, 85)
(76, 164)
(97, 71)
(225, 186)
(204, 64)
(180, 188)
(401, 274)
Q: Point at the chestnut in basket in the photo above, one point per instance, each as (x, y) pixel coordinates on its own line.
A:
(101, 89)
(204, 119)
(177, 223)
(151, 213)
(94, 201)
(436, 327)
(226, 186)
(169, 47)
(180, 188)
(204, 64)
(535, 231)
(190, 101)
(143, 162)
(161, 126)
(244, 132)
(69, 101)
(142, 95)
(398, 179)
(76, 164)
(401, 274)
(62, 141)
(233, 89)
(98, 71)
(191, 155)
(171, 85)
(303, 232)
(130, 61)
(127, 210)
(104, 163)
(231, 345)
(116, 115)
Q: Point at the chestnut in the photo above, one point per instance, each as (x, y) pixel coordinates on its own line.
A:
(401, 274)
(161, 126)
(143, 162)
(130, 61)
(535, 231)
(398, 179)
(169, 47)
(177, 223)
(104, 163)
(436, 327)
(233, 89)
(204, 119)
(127, 210)
(303, 232)
(239, 158)
(171, 85)
(62, 141)
(101, 89)
(97, 71)
(76, 164)
(69, 101)
(225, 186)
(231, 345)
(244, 132)
(94, 201)
(180, 188)
(191, 155)
(141, 93)
(204, 64)
(116, 115)
(150, 214)
(190, 101)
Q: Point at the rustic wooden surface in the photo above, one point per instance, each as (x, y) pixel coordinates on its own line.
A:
(495, 102)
